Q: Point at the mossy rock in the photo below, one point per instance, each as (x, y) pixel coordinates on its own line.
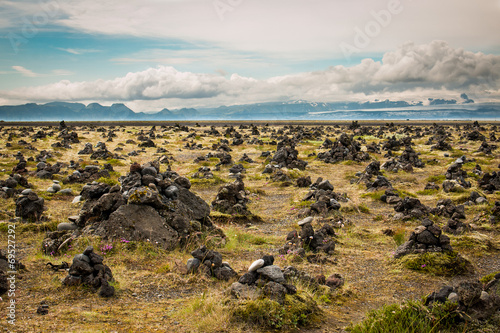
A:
(223, 218)
(297, 311)
(438, 263)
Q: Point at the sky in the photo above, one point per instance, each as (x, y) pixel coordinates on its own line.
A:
(155, 54)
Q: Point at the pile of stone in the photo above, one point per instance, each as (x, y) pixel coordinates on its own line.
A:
(391, 197)
(326, 200)
(286, 156)
(29, 206)
(87, 149)
(426, 238)
(373, 148)
(236, 170)
(321, 240)
(441, 145)
(490, 182)
(456, 227)
(8, 187)
(57, 188)
(304, 181)
(495, 213)
(410, 208)
(203, 173)
(102, 153)
(475, 136)
(148, 206)
(476, 199)
(263, 279)
(409, 156)
(446, 208)
(477, 301)
(345, 148)
(209, 263)
(486, 148)
(455, 178)
(88, 269)
(393, 165)
(232, 199)
(245, 158)
(392, 144)
(89, 174)
(334, 281)
(46, 170)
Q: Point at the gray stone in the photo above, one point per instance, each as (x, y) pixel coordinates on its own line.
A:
(66, 226)
(56, 187)
(426, 237)
(453, 298)
(305, 221)
(192, 265)
(275, 292)
(272, 273)
(243, 291)
(77, 199)
(481, 200)
(67, 191)
(26, 191)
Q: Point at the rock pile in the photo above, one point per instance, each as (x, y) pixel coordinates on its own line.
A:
(210, 263)
(490, 182)
(153, 206)
(263, 278)
(345, 148)
(410, 208)
(455, 175)
(477, 301)
(394, 165)
(456, 227)
(29, 206)
(8, 187)
(391, 197)
(88, 269)
(89, 174)
(286, 156)
(426, 238)
(486, 148)
(409, 156)
(326, 200)
(320, 240)
(446, 208)
(232, 199)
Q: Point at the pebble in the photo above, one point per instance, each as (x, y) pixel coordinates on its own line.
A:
(306, 220)
(256, 265)
(453, 297)
(77, 199)
(66, 226)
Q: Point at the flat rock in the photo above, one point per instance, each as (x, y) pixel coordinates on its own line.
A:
(273, 273)
(66, 226)
(305, 221)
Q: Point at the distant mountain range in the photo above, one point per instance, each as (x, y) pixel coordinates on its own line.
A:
(298, 110)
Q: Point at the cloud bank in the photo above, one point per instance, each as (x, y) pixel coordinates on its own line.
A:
(411, 72)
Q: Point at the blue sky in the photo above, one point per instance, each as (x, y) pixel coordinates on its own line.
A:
(151, 54)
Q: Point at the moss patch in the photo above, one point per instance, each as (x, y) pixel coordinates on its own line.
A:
(438, 263)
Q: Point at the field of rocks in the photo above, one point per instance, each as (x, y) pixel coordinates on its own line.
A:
(250, 227)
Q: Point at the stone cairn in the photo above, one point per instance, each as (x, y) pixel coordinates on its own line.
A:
(345, 148)
(490, 182)
(29, 205)
(326, 200)
(88, 269)
(232, 199)
(426, 238)
(209, 263)
(316, 241)
(410, 208)
(286, 156)
(455, 177)
(479, 302)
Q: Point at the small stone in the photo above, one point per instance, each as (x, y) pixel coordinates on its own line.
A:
(268, 260)
(272, 273)
(66, 226)
(67, 191)
(256, 265)
(26, 191)
(485, 297)
(453, 298)
(192, 265)
(88, 250)
(56, 187)
(305, 221)
(77, 199)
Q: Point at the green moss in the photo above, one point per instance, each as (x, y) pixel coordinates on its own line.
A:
(427, 192)
(410, 317)
(487, 278)
(109, 181)
(438, 179)
(297, 311)
(374, 195)
(438, 263)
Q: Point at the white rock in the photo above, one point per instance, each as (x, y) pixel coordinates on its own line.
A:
(51, 190)
(77, 199)
(481, 200)
(453, 298)
(26, 191)
(484, 296)
(256, 265)
(306, 220)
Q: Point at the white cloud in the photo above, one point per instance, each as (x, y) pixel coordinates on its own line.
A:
(78, 51)
(25, 71)
(411, 72)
